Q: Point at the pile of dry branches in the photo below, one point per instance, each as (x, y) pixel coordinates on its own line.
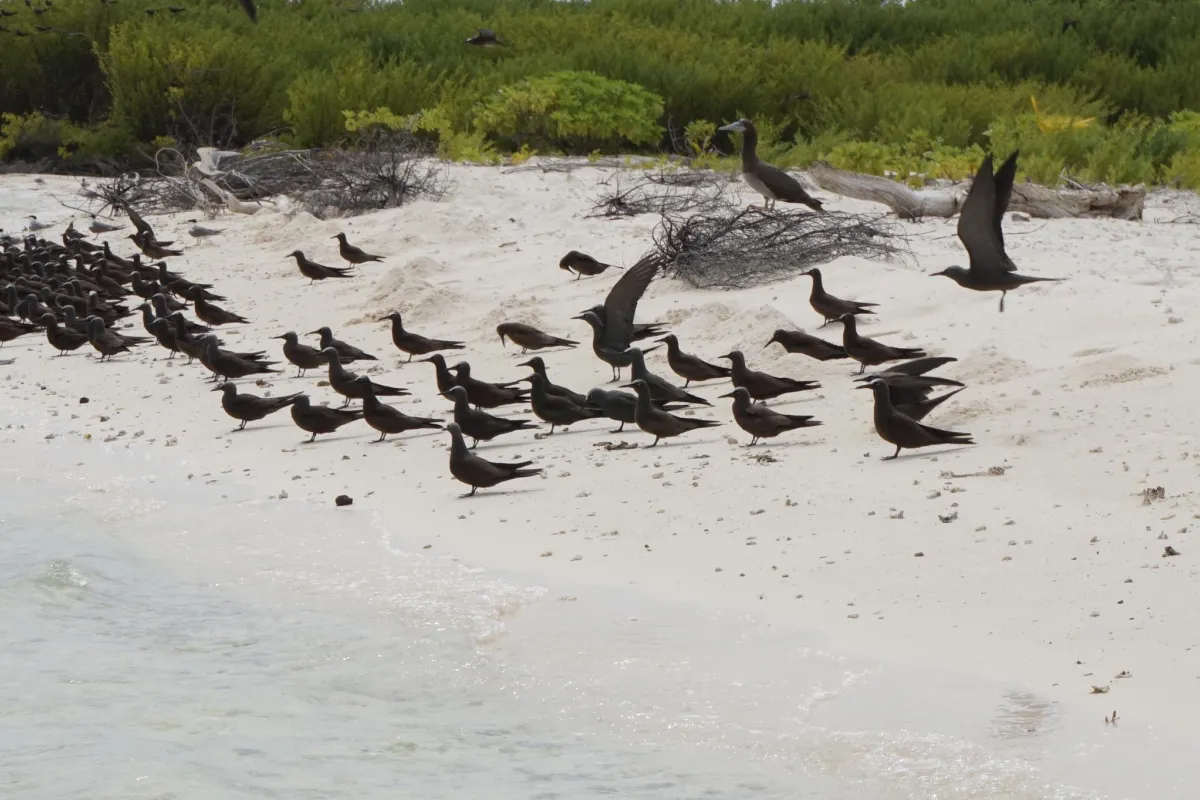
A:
(732, 248)
(664, 191)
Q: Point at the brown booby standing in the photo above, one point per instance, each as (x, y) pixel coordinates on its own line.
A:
(769, 181)
(903, 431)
(980, 230)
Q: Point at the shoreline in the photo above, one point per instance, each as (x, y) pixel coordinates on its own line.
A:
(1056, 367)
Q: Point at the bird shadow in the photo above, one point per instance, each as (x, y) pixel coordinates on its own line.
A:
(497, 493)
(915, 455)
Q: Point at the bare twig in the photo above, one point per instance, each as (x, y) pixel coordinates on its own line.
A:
(664, 191)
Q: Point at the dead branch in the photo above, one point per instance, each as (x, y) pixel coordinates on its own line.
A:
(664, 191)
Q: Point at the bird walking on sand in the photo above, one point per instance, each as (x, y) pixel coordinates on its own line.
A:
(762, 422)
(760, 385)
(801, 343)
(583, 264)
(658, 423)
(769, 181)
(355, 255)
(480, 425)
(980, 228)
(830, 307)
(528, 337)
(321, 419)
(318, 272)
(689, 367)
(868, 352)
(387, 419)
(479, 473)
(248, 407)
(903, 431)
(414, 344)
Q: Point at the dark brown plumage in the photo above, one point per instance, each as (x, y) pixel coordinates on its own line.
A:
(658, 423)
(769, 181)
(414, 344)
(760, 385)
(248, 407)
(868, 352)
(903, 431)
(583, 264)
(799, 342)
(528, 337)
(762, 422)
(689, 367)
(479, 473)
(830, 307)
(355, 255)
(480, 425)
(321, 419)
(318, 272)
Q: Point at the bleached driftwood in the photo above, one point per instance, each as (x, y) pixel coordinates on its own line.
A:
(1122, 202)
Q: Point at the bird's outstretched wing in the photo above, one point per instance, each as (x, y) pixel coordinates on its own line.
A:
(977, 228)
(1004, 185)
(622, 300)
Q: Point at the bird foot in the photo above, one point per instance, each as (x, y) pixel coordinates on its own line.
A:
(890, 458)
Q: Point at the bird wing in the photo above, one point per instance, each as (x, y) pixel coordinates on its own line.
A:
(622, 300)
(781, 184)
(136, 219)
(977, 228)
(1004, 184)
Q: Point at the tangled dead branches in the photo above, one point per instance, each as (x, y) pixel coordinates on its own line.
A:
(733, 248)
(663, 191)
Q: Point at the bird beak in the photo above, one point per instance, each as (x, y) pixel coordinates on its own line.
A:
(733, 127)
(628, 386)
(445, 395)
(663, 339)
(217, 388)
(727, 355)
(730, 394)
(526, 364)
(768, 344)
(864, 386)
(278, 337)
(384, 319)
(578, 317)
(935, 274)
(313, 333)
(503, 342)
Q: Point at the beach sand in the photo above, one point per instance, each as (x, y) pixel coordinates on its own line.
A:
(1031, 558)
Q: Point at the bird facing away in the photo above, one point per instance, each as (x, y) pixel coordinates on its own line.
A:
(760, 385)
(761, 422)
(613, 332)
(385, 418)
(903, 431)
(479, 473)
(320, 419)
(799, 342)
(528, 337)
(868, 352)
(347, 352)
(355, 255)
(480, 425)
(980, 228)
(769, 181)
(318, 272)
(689, 367)
(414, 344)
(301, 356)
(249, 407)
(486, 37)
(658, 423)
(830, 307)
(583, 264)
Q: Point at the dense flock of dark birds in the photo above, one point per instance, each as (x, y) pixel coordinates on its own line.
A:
(78, 293)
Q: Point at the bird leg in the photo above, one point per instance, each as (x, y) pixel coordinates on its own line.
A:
(687, 383)
(893, 455)
(311, 439)
(862, 368)
(1002, 300)
(656, 438)
(380, 439)
(551, 429)
(472, 494)
(242, 427)
(618, 430)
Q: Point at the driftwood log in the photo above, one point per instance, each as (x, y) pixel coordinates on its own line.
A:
(1122, 202)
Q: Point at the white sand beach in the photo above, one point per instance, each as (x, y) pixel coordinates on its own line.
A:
(1031, 558)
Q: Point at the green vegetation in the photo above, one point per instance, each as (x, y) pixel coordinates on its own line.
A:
(920, 89)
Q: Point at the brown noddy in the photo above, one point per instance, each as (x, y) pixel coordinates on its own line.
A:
(804, 344)
(487, 395)
(689, 367)
(920, 409)
(761, 422)
(64, 340)
(162, 309)
(108, 342)
(212, 314)
(658, 423)
(868, 352)
(318, 272)
(300, 355)
(445, 378)
(320, 419)
(661, 390)
(250, 407)
(164, 333)
(415, 344)
(908, 383)
(539, 366)
(152, 248)
(830, 307)
(769, 181)
(347, 352)
(231, 366)
(612, 333)
(903, 431)
(528, 337)
(621, 406)
(583, 264)
(480, 425)
(355, 255)
(980, 228)
(760, 385)
(344, 382)
(11, 329)
(387, 419)
(479, 473)
(556, 409)
(641, 330)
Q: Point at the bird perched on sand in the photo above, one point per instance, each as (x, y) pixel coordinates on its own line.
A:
(760, 385)
(528, 337)
(64, 340)
(555, 408)
(213, 314)
(249, 407)
(830, 307)
(980, 230)
(769, 181)
(321, 419)
(98, 226)
(807, 345)
(413, 343)
(480, 425)
(762, 422)
(479, 473)
(658, 423)
(300, 355)
(868, 352)
(318, 272)
(583, 264)
(108, 342)
(486, 37)
(613, 331)
(387, 419)
(199, 232)
(346, 383)
(355, 255)
(903, 431)
(488, 395)
(539, 367)
(689, 367)
(35, 224)
(347, 352)
(621, 406)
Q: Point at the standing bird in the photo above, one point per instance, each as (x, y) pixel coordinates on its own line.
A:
(250, 407)
(213, 314)
(613, 332)
(760, 385)
(903, 431)
(661, 390)
(320, 419)
(108, 342)
(98, 227)
(539, 367)
(35, 224)
(487, 395)
(355, 255)
(11, 329)
(228, 365)
(806, 345)
(830, 307)
(480, 425)
(553, 408)
(64, 340)
(414, 344)
(199, 232)
(769, 181)
(318, 272)
(486, 37)
(621, 406)
(688, 366)
(761, 422)
(347, 352)
(385, 418)
(528, 337)
(583, 264)
(346, 383)
(658, 423)
(868, 352)
(980, 230)
(479, 473)
(301, 356)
